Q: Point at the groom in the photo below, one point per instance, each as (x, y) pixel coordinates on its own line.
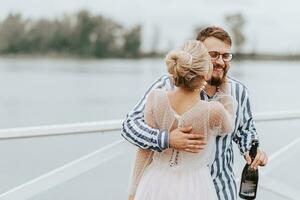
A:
(136, 131)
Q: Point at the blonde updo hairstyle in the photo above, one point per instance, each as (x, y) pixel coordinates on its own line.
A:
(189, 65)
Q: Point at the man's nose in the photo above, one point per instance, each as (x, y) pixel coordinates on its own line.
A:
(220, 61)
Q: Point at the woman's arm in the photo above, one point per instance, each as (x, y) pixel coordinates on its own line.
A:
(137, 131)
(143, 156)
(143, 159)
(223, 112)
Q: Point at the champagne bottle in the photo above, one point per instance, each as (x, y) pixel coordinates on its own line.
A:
(249, 179)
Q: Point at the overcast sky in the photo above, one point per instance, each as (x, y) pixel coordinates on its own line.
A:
(272, 26)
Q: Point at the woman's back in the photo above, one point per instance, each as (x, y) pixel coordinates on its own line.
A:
(198, 115)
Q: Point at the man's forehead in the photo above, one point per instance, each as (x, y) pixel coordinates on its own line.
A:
(214, 44)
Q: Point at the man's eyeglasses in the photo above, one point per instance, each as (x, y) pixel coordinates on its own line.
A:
(226, 57)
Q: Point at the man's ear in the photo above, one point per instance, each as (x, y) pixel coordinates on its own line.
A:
(205, 78)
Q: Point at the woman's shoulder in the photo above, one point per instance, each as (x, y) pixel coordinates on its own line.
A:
(157, 96)
(158, 90)
(157, 93)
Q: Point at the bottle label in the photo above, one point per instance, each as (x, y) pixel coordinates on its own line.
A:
(248, 188)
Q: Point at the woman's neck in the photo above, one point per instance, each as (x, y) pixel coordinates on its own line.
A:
(187, 92)
(182, 99)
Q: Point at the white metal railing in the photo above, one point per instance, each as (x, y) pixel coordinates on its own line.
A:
(65, 129)
(94, 159)
(113, 125)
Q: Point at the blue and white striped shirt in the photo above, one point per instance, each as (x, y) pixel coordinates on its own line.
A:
(136, 131)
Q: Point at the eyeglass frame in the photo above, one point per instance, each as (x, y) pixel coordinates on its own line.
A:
(219, 54)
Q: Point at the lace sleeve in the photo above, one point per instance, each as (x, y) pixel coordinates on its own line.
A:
(143, 156)
(137, 132)
(222, 113)
(143, 159)
(148, 112)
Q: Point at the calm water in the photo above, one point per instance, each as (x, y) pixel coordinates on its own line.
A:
(45, 91)
(56, 91)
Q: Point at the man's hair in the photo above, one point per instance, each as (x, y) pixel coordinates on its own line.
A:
(214, 31)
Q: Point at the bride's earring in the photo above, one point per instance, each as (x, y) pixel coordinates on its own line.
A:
(197, 90)
(203, 86)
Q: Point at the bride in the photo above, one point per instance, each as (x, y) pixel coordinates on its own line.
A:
(178, 175)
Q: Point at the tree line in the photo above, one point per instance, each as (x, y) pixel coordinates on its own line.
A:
(81, 34)
(84, 34)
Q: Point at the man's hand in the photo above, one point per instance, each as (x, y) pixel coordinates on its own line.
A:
(183, 139)
(261, 159)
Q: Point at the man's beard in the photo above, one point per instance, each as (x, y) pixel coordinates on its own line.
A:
(217, 81)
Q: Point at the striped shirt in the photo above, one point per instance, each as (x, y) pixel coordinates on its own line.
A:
(136, 131)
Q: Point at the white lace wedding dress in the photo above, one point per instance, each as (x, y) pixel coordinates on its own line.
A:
(178, 175)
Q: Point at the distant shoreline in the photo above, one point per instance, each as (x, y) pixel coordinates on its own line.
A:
(236, 57)
(255, 56)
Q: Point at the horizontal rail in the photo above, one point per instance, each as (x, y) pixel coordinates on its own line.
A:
(113, 125)
(65, 129)
(276, 116)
